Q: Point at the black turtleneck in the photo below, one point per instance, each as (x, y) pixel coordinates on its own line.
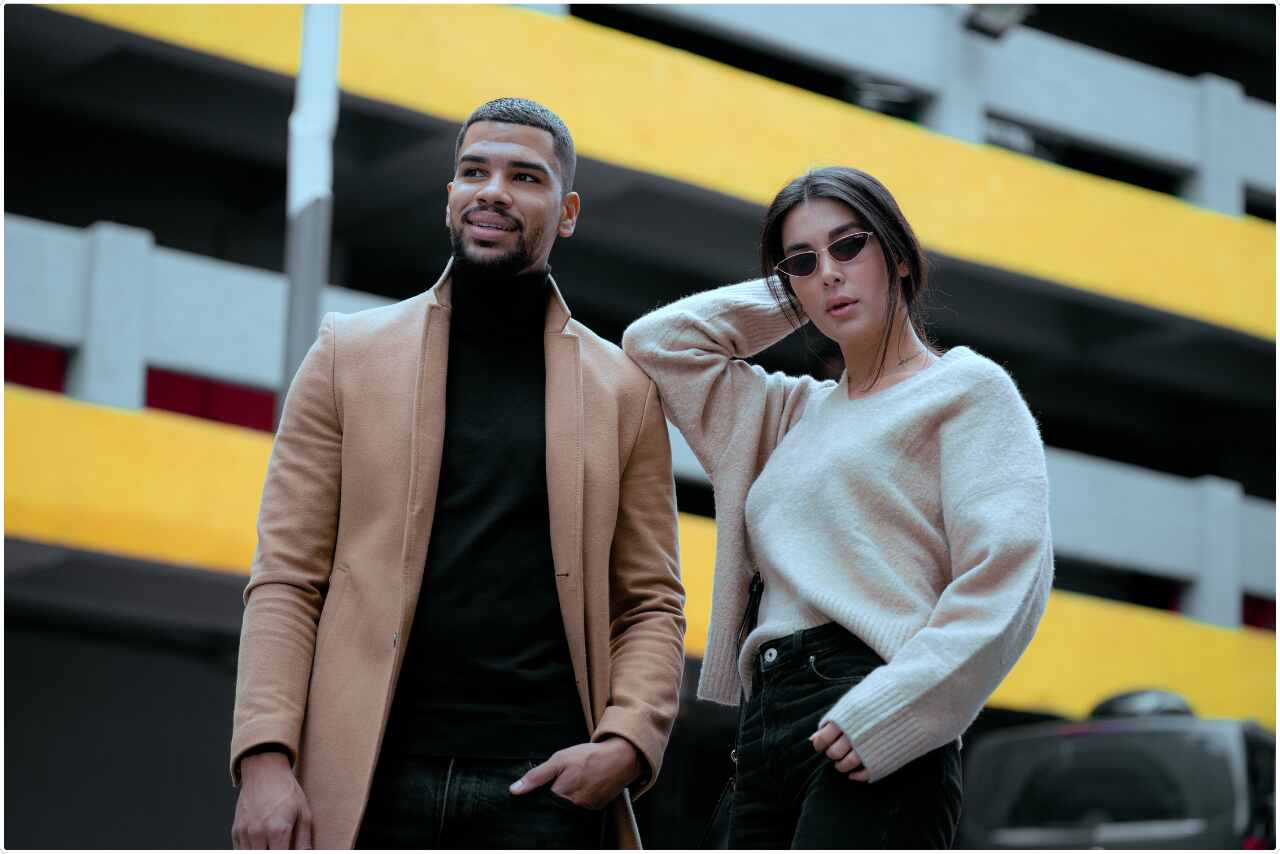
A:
(487, 671)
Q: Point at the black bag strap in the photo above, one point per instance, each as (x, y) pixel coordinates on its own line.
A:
(752, 613)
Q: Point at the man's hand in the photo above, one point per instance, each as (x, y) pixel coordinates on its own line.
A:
(272, 811)
(589, 775)
(835, 744)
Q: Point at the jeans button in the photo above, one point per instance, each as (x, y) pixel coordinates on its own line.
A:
(770, 655)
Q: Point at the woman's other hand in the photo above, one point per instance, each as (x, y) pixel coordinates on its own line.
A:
(835, 744)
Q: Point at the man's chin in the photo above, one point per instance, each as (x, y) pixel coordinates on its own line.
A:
(490, 262)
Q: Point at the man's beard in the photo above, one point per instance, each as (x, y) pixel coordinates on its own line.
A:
(504, 266)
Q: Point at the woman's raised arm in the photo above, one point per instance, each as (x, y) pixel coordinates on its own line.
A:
(695, 349)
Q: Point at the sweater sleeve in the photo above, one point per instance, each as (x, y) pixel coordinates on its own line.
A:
(694, 350)
(996, 516)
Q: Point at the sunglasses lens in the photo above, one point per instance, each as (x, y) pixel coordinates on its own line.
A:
(801, 264)
(847, 248)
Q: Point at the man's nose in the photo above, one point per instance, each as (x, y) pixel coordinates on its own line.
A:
(494, 191)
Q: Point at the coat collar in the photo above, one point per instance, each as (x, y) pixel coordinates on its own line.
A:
(558, 314)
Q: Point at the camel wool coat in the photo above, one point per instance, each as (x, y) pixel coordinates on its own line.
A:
(346, 517)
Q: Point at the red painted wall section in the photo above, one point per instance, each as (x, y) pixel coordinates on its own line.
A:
(35, 365)
(212, 399)
(1259, 612)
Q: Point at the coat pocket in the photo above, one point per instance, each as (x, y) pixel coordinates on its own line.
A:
(331, 610)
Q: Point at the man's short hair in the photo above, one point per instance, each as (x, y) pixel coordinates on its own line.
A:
(521, 111)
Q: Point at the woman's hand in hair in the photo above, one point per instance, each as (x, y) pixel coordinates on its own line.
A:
(835, 744)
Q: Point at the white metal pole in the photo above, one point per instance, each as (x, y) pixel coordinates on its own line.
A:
(310, 184)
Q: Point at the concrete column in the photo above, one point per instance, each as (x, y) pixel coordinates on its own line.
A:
(1216, 596)
(959, 107)
(1218, 182)
(109, 367)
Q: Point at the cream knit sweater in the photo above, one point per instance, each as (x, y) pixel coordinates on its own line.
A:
(917, 517)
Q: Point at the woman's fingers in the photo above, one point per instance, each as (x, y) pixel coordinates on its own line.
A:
(825, 737)
(829, 740)
(850, 762)
(839, 749)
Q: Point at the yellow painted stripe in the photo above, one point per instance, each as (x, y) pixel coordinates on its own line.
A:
(146, 484)
(642, 105)
(169, 488)
(1088, 649)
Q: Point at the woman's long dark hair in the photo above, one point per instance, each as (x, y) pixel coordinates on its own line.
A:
(879, 212)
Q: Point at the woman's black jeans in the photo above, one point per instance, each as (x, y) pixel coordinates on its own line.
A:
(789, 796)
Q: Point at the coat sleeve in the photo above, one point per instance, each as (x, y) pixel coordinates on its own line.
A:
(297, 527)
(695, 350)
(646, 608)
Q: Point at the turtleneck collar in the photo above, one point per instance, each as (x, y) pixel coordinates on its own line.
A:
(510, 305)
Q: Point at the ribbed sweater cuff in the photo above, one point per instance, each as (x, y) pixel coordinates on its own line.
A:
(718, 681)
(883, 731)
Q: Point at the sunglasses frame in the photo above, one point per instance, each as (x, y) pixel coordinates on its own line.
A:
(827, 249)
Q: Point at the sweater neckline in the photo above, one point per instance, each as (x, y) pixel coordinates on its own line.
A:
(948, 358)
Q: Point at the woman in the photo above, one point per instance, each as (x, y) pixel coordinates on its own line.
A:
(898, 518)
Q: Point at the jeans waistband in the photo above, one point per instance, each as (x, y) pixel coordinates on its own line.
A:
(831, 635)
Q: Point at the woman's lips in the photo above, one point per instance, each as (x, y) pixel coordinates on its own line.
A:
(841, 308)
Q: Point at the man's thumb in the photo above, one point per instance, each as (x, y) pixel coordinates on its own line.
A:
(536, 777)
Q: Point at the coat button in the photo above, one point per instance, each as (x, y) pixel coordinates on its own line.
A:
(770, 655)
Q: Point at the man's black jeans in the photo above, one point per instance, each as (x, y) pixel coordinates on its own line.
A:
(789, 796)
(465, 803)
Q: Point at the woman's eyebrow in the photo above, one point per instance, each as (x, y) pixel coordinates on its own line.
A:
(830, 234)
(848, 225)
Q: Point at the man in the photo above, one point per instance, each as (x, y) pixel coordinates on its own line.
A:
(464, 622)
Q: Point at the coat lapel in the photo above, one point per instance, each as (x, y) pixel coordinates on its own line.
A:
(426, 444)
(565, 470)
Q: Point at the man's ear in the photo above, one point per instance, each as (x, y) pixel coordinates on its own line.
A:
(448, 188)
(570, 207)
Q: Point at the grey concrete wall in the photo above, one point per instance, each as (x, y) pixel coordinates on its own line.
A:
(1258, 547)
(45, 266)
(1218, 140)
(147, 306)
(1123, 515)
(1258, 128)
(124, 304)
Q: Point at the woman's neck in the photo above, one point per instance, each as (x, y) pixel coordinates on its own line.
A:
(905, 355)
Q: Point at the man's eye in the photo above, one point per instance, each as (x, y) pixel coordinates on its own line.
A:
(470, 173)
(525, 176)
